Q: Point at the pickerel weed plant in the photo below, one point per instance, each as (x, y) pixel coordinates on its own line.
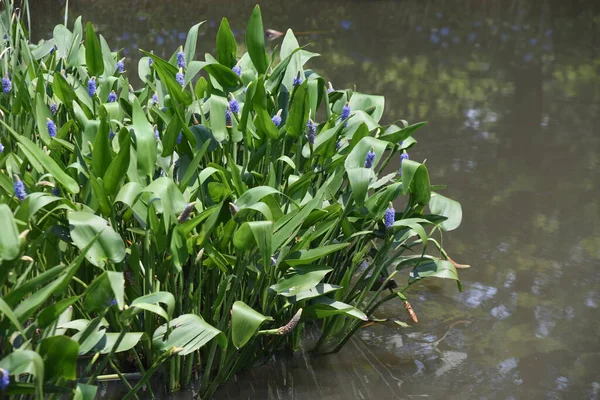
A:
(193, 227)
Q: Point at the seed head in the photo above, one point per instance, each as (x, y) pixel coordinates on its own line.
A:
(187, 211)
(284, 330)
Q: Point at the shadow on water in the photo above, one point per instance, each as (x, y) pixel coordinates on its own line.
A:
(511, 91)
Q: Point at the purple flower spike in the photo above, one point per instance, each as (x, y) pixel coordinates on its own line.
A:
(179, 77)
(51, 127)
(154, 99)
(20, 191)
(6, 85)
(277, 118)
(4, 379)
(112, 96)
(92, 86)
(121, 65)
(403, 156)
(234, 106)
(1, 148)
(390, 216)
(181, 59)
(228, 118)
(370, 158)
(238, 70)
(53, 108)
(311, 130)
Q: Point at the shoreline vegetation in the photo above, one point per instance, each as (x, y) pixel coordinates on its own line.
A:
(194, 226)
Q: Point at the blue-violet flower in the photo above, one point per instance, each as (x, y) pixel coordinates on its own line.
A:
(92, 86)
(277, 118)
(180, 59)
(4, 379)
(390, 216)
(370, 158)
(53, 108)
(121, 65)
(6, 84)
(238, 70)
(234, 106)
(179, 77)
(311, 130)
(51, 127)
(20, 191)
(112, 96)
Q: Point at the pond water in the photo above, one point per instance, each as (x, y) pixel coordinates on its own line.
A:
(511, 90)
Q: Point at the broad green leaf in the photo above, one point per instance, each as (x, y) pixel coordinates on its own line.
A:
(395, 134)
(449, 208)
(319, 290)
(226, 45)
(323, 307)
(26, 362)
(6, 310)
(102, 156)
(50, 314)
(218, 107)
(189, 332)
(255, 41)
(254, 195)
(60, 354)
(245, 323)
(303, 257)
(298, 115)
(416, 179)
(145, 142)
(168, 199)
(109, 246)
(104, 291)
(118, 167)
(85, 392)
(435, 268)
(361, 101)
(356, 158)
(93, 52)
(301, 281)
(10, 244)
(359, 179)
(129, 341)
(190, 42)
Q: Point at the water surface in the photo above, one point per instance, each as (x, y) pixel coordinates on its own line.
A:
(511, 91)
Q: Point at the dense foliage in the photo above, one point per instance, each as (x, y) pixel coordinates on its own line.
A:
(194, 226)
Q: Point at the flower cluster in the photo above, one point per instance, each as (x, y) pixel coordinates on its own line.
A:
(20, 191)
(51, 127)
(112, 96)
(92, 86)
(370, 158)
(390, 216)
(311, 129)
(181, 59)
(6, 85)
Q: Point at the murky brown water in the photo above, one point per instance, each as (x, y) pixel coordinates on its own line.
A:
(511, 91)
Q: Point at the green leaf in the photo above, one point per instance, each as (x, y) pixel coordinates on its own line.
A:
(117, 169)
(60, 355)
(356, 158)
(297, 118)
(301, 281)
(107, 287)
(252, 196)
(395, 134)
(190, 42)
(129, 341)
(359, 179)
(189, 332)
(168, 198)
(448, 208)
(48, 163)
(360, 101)
(10, 244)
(245, 323)
(415, 179)
(93, 52)
(167, 73)
(319, 290)
(50, 314)
(255, 41)
(148, 303)
(323, 307)
(26, 362)
(259, 232)
(102, 156)
(303, 257)
(224, 76)
(145, 143)
(85, 227)
(6, 310)
(226, 45)
(435, 268)
(218, 106)
(85, 392)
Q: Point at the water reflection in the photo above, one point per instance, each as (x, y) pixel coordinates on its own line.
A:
(511, 91)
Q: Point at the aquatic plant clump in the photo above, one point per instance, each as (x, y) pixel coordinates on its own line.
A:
(185, 242)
